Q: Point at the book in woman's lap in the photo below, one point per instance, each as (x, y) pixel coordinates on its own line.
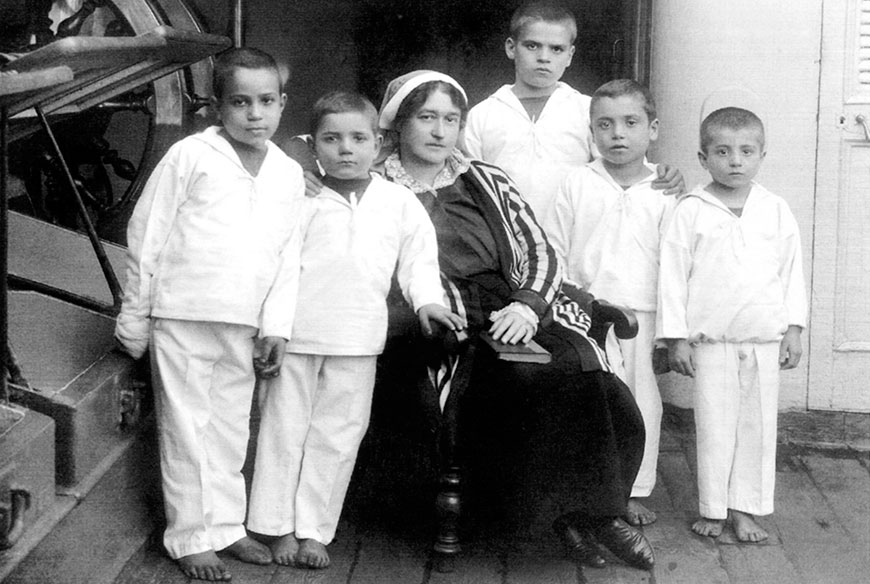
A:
(530, 352)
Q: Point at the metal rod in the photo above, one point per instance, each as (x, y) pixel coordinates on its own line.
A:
(99, 250)
(4, 241)
(238, 23)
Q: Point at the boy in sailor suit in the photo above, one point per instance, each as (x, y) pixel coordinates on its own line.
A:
(732, 306)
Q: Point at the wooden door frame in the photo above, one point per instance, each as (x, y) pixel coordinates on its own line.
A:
(836, 130)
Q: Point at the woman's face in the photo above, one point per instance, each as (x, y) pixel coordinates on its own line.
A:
(429, 136)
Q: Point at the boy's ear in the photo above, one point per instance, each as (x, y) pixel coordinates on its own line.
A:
(283, 101)
(654, 130)
(702, 158)
(510, 47)
(214, 103)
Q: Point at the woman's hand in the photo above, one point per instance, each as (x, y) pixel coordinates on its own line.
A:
(512, 327)
(313, 185)
(268, 356)
(430, 313)
(669, 179)
(681, 357)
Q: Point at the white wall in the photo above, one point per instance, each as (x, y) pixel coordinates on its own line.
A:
(772, 48)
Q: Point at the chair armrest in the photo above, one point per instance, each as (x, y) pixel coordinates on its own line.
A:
(623, 319)
(451, 341)
(402, 323)
(603, 314)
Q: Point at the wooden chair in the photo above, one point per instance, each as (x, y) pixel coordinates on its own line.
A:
(402, 366)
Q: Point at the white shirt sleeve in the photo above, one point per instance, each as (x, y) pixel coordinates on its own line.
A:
(792, 273)
(675, 264)
(559, 223)
(147, 233)
(417, 271)
(279, 306)
(472, 136)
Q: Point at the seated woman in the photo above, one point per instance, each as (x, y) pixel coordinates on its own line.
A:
(566, 435)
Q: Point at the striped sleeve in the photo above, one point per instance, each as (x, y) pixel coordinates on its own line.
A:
(535, 269)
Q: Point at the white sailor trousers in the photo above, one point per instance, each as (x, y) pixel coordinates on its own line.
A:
(736, 393)
(313, 418)
(203, 386)
(632, 360)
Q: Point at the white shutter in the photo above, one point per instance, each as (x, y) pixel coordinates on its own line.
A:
(864, 47)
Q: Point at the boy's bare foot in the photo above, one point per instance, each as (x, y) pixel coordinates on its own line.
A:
(746, 529)
(637, 514)
(250, 551)
(708, 527)
(312, 554)
(204, 566)
(284, 550)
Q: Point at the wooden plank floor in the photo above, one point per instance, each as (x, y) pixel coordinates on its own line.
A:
(820, 532)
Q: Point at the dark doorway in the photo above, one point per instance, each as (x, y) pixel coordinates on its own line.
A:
(362, 44)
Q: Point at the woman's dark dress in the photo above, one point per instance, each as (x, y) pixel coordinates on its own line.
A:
(560, 437)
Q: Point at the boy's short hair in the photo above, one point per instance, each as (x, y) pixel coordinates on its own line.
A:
(340, 102)
(417, 98)
(620, 87)
(242, 58)
(542, 10)
(733, 118)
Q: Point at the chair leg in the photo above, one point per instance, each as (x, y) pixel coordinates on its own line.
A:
(447, 508)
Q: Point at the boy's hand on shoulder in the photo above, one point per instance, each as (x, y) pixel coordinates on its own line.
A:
(681, 357)
(313, 184)
(429, 313)
(669, 179)
(268, 356)
(790, 348)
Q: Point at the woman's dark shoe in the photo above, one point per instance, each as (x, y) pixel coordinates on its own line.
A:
(627, 543)
(579, 544)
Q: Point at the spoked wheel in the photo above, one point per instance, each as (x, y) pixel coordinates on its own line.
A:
(112, 148)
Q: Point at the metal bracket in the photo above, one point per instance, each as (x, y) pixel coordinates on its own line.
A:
(13, 503)
(862, 119)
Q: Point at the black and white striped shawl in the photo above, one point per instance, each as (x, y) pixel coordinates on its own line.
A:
(528, 260)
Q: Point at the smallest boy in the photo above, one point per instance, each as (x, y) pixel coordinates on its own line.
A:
(206, 243)
(605, 224)
(732, 307)
(358, 230)
(537, 129)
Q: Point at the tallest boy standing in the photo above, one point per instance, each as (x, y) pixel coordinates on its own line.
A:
(538, 128)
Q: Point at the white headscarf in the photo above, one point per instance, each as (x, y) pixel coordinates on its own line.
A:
(402, 86)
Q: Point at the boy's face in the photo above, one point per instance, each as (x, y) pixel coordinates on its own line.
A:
(346, 145)
(251, 106)
(733, 157)
(622, 129)
(541, 54)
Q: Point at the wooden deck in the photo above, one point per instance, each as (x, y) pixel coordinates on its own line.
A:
(820, 531)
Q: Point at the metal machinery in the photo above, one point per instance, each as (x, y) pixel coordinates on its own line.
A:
(85, 86)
